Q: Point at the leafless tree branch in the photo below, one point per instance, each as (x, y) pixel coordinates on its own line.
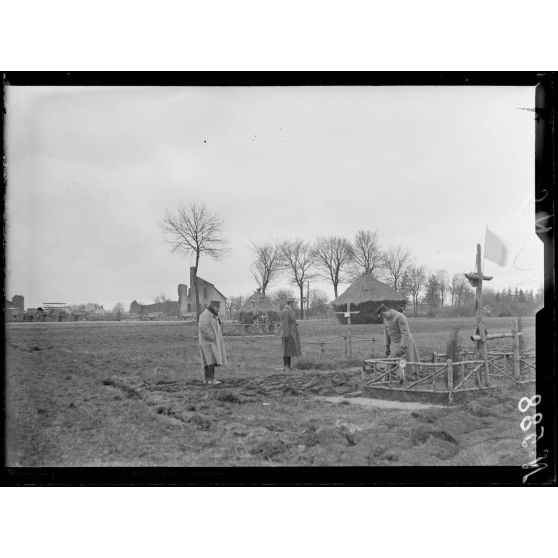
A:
(197, 231)
(367, 254)
(333, 255)
(395, 262)
(267, 263)
(298, 258)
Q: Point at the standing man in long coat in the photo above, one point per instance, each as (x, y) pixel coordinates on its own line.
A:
(289, 332)
(399, 342)
(212, 347)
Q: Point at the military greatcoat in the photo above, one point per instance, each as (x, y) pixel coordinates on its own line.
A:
(212, 347)
(289, 332)
(398, 339)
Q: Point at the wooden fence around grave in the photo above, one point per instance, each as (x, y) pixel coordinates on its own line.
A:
(391, 378)
(518, 367)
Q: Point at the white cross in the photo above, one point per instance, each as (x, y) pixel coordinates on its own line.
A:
(347, 315)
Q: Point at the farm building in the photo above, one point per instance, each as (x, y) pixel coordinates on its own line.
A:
(365, 296)
(259, 305)
(93, 308)
(206, 291)
(13, 309)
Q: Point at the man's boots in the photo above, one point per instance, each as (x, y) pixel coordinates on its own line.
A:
(211, 374)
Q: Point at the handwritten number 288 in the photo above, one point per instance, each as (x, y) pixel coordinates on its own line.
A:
(533, 402)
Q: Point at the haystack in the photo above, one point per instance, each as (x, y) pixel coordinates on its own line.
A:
(366, 295)
(259, 305)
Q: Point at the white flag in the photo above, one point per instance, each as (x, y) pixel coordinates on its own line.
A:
(494, 249)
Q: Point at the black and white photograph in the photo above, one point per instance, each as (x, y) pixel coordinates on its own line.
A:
(319, 277)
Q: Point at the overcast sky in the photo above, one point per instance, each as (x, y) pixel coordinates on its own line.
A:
(92, 170)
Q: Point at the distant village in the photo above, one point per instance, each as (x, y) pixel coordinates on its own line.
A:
(363, 295)
(374, 276)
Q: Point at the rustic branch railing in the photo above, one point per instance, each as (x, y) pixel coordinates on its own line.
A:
(509, 364)
(456, 376)
(345, 339)
(482, 365)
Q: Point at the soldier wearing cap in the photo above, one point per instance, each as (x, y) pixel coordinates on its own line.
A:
(289, 331)
(212, 347)
(399, 342)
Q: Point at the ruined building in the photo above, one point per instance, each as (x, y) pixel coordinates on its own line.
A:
(186, 305)
(207, 292)
(14, 310)
(169, 307)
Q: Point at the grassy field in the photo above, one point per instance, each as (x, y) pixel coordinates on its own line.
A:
(130, 394)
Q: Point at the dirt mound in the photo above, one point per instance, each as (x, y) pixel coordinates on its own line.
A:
(423, 432)
(229, 397)
(199, 421)
(130, 386)
(308, 438)
(269, 449)
(334, 435)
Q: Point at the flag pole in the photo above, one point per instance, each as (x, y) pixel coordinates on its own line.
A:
(484, 248)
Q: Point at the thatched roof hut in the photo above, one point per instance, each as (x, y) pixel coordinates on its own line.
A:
(366, 295)
(257, 305)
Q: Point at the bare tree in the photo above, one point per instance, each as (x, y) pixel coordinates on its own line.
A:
(319, 302)
(460, 290)
(468, 296)
(333, 255)
(267, 263)
(234, 304)
(298, 258)
(432, 295)
(395, 262)
(416, 280)
(119, 310)
(443, 284)
(367, 254)
(195, 231)
(279, 297)
(452, 287)
(404, 286)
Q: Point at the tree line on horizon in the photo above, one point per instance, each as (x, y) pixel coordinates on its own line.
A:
(194, 230)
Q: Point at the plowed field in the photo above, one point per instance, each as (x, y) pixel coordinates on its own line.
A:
(130, 394)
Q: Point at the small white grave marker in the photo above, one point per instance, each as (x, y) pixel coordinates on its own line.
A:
(347, 315)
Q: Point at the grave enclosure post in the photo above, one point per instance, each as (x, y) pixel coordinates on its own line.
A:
(347, 338)
(516, 362)
(476, 279)
(450, 378)
(483, 350)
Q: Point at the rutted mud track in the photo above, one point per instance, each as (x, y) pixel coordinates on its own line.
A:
(302, 383)
(278, 419)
